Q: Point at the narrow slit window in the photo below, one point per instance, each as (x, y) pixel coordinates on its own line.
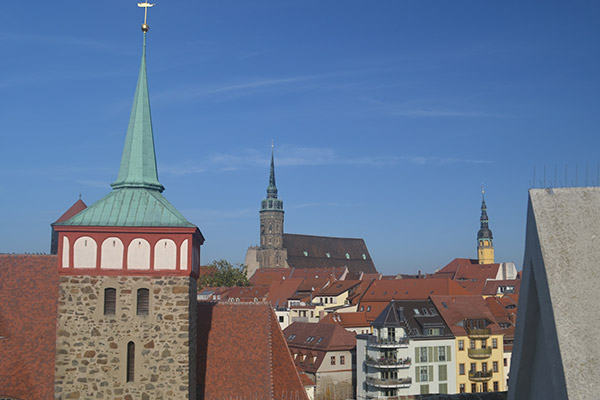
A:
(130, 361)
(143, 298)
(110, 301)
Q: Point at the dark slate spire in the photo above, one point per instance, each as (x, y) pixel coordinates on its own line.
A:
(484, 230)
(272, 188)
(138, 164)
(272, 203)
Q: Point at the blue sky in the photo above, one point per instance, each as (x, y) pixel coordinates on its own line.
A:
(386, 116)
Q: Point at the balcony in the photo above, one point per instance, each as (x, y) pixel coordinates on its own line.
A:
(480, 376)
(388, 363)
(480, 354)
(388, 343)
(389, 383)
(479, 333)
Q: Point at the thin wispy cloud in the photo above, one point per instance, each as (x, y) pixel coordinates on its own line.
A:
(293, 156)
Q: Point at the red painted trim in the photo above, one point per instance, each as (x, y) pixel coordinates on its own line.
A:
(125, 229)
(117, 272)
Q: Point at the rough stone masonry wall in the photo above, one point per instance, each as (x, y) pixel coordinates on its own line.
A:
(91, 349)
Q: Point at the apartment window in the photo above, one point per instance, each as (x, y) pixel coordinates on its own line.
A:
(461, 388)
(494, 343)
(485, 387)
(130, 361)
(332, 360)
(473, 388)
(423, 356)
(281, 318)
(484, 366)
(342, 360)
(461, 345)
(423, 374)
(506, 362)
(483, 343)
(473, 367)
(442, 353)
(143, 298)
(472, 343)
(424, 389)
(461, 369)
(495, 366)
(110, 301)
(496, 388)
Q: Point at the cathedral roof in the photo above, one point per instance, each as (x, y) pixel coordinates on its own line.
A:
(306, 251)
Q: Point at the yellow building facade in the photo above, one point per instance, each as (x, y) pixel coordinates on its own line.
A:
(480, 362)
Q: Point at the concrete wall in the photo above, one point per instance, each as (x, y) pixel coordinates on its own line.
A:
(334, 380)
(91, 348)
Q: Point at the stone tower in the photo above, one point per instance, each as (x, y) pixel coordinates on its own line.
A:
(128, 264)
(270, 253)
(485, 240)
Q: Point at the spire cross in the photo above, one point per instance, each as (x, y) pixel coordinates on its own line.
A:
(145, 6)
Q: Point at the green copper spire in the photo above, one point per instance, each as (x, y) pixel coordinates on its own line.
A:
(138, 164)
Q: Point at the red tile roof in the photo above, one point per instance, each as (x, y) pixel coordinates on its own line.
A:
(71, 212)
(28, 303)
(338, 287)
(455, 309)
(310, 342)
(281, 291)
(381, 292)
(347, 319)
(469, 274)
(246, 293)
(242, 354)
(265, 276)
(491, 287)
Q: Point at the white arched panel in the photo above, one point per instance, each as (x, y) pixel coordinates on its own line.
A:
(84, 252)
(112, 254)
(65, 252)
(138, 254)
(165, 254)
(183, 258)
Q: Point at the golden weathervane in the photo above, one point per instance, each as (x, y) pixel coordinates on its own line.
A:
(145, 6)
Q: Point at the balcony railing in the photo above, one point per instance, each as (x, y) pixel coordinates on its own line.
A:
(388, 363)
(479, 354)
(480, 376)
(387, 342)
(389, 383)
(479, 333)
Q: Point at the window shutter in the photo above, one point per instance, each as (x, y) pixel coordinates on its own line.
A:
(442, 372)
(143, 299)
(430, 355)
(417, 356)
(430, 376)
(130, 361)
(435, 354)
(110, 301)
(448, 353)
(418, 374)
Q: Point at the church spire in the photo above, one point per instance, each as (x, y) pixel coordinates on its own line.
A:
(485, 243)
(138, 163)
(272, 188)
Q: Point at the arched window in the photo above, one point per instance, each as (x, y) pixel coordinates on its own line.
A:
(130, 361)
(110, 301)
(143, 301)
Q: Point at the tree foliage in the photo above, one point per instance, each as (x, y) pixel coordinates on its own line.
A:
(223, 273)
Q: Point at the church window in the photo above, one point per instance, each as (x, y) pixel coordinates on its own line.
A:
(130, 361)
(347, 256)
(328, 255)
(143, 300)
(364, 256)
(305, 253)
(110, 301)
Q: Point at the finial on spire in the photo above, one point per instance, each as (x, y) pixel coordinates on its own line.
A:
(272, 144)
(145, 5)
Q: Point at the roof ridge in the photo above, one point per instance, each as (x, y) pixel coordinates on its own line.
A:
(270, 347)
